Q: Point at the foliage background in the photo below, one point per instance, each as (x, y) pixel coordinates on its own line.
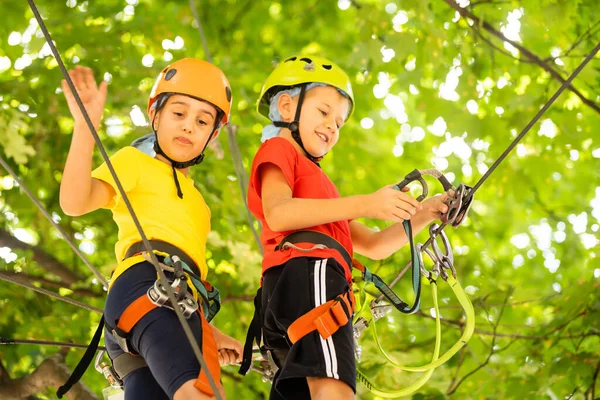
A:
(432, 88)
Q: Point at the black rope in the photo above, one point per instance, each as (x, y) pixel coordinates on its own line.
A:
(45, 343)
(162, 278)
(57, 226)
(57, 296)
(562, 87)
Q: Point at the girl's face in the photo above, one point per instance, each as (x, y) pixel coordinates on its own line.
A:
(324, 111)
(183, 126)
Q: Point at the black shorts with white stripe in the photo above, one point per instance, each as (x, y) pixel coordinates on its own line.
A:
(288, 292)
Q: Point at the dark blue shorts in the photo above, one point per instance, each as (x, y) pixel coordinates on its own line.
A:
(288, 292)
(158, 337)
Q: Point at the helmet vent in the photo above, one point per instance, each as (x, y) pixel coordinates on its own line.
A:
(291, 59)
(170, 74)
(327, 66)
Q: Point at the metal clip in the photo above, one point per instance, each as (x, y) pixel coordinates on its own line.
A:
(442, 260)
(159, 296)
(107, 370)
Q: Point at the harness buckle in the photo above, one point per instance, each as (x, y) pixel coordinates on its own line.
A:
(121, 341)
(108, 371)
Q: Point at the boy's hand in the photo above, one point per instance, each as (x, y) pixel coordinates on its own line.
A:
(435, 206)
(92, 96)
(391, 205)
(230, 350)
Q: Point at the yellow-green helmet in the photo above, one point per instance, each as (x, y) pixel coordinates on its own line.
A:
(297, 70)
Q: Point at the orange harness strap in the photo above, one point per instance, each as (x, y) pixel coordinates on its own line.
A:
(325, 319)
(135, 312)
(143, 306)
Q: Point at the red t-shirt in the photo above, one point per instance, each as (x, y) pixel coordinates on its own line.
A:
(307, 181)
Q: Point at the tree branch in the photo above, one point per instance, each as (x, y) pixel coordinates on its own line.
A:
(516, 303)
(4, 376)
(22, 277)
(569, 397)
(461, 359)
(492, 350)
(580, 40)
(591, 392)
(497, 48)
(52, 372)
(460, 324)
(44, 259)
(489, 3)
(526, 53)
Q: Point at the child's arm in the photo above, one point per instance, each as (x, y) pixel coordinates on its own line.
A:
(79, 192)
(379, 245)
(284, 213)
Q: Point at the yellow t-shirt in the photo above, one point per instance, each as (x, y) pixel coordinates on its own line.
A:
(150, 187)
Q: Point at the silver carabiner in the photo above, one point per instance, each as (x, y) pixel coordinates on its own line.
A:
(420, 250)
(445, 259)
(107, 370)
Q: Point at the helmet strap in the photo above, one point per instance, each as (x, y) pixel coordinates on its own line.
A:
(294, 127)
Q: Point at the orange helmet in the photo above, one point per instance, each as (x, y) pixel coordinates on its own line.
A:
(194, 78)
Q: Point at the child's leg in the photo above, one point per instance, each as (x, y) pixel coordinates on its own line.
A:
(159, 337)
(164, 346)
(313, 367)
(141, 385)
(329, 389)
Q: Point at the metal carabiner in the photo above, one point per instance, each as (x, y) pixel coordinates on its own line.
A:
(417, 175)
(445, 259)
(411, 177)
(107, 370)
(420, 250)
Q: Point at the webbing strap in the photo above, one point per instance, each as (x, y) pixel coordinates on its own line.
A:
(136, 310)
(389, 294)
(362, 378)
(210, 295)
(254, 334)
(325, 319)
(125, 363)
(84, 363)
(437, 360)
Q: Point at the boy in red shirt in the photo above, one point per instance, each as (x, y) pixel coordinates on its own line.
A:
(309, 231)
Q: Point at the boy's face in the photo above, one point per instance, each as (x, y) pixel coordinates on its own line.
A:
(324, 111)
(183, 126)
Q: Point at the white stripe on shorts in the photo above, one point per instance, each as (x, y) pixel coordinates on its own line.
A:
(329, 353)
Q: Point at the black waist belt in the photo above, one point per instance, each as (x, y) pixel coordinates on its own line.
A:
(164, 247)
(316, 238)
